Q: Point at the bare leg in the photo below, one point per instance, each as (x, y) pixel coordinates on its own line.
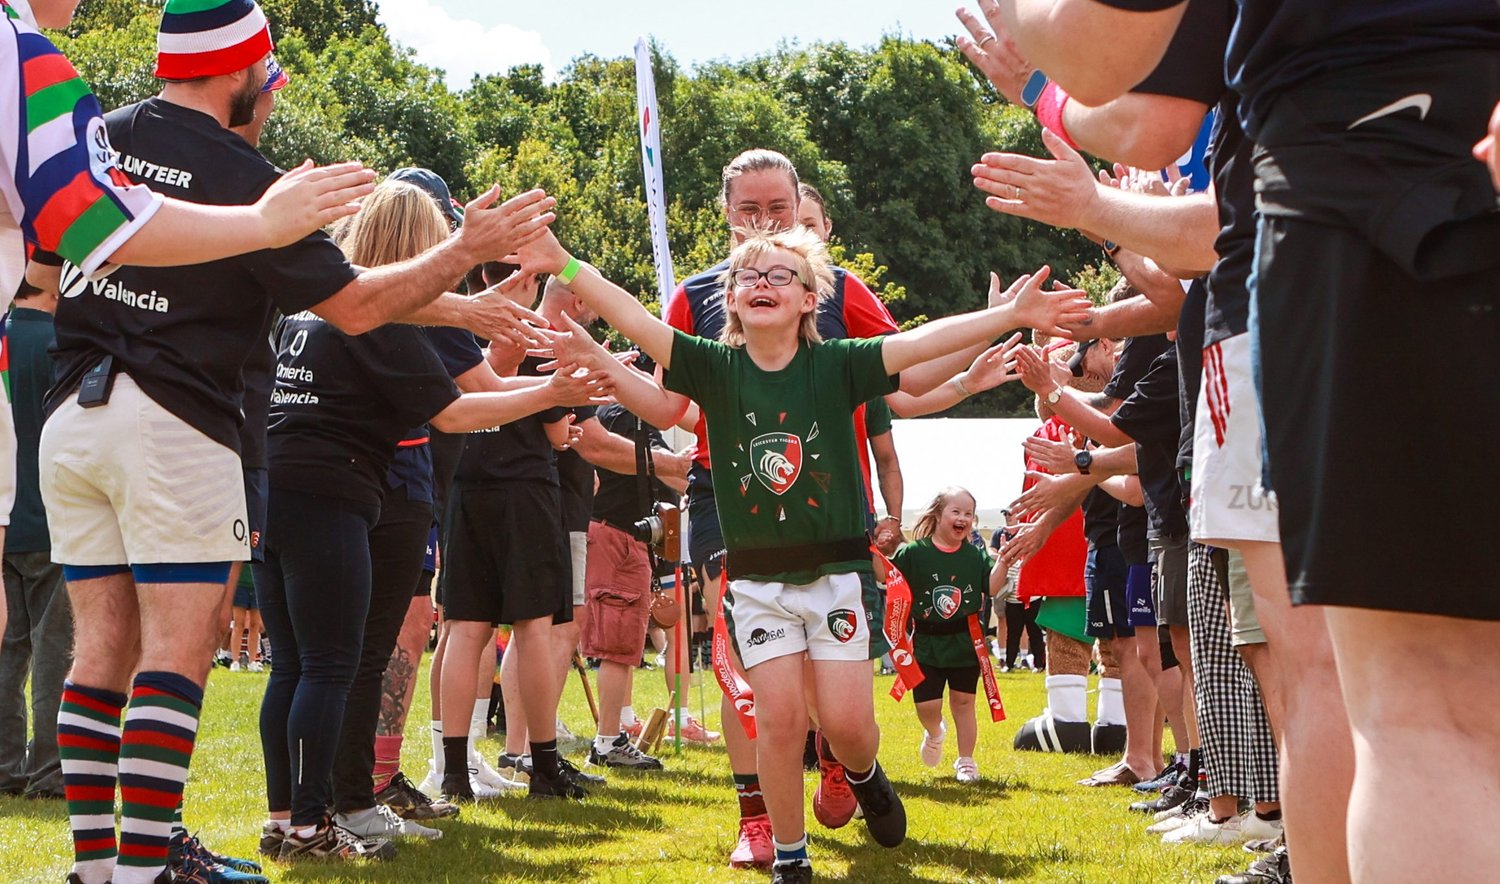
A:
(965, 725)
(1168, 686)
(515, 712)
(1317, 751)
(614, 685)
(1183, 651)
(465, 644)
(536, 673)
(1420, 686)
(781, 725)
(1140, 707)
(400, 681)
(930, 714)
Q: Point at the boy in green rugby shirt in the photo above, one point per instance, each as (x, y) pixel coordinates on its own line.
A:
(778, 401)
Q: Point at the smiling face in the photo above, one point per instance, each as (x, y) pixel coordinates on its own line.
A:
(762, 306)
(955, 520)
(764, 199)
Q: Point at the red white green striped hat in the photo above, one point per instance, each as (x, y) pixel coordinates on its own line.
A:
(206, 38)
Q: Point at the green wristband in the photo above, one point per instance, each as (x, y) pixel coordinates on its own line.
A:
(570, 271)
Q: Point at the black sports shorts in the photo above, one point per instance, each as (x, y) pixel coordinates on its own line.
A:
(962, 679)
(1376, 313)
(507, 557)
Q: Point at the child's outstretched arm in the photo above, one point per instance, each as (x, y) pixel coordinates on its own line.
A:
(1031, 307)
(614, 305)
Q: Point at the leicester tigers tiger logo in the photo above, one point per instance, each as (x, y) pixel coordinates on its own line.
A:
(776, 460)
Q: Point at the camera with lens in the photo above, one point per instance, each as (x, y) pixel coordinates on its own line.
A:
(662, 531)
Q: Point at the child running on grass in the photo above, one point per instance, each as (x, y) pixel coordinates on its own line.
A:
(947, 575)
(779, 403)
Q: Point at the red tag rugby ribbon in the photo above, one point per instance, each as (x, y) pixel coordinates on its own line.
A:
(897, 615)
(734, 687)
(991, 689)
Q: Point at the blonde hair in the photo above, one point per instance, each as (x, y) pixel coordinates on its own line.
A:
(396, 222)
(927, 521)
(813, 270)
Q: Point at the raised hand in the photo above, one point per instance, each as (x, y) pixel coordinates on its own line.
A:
(310, 197)
(494, 231)
(1059, 192)
(494, 316)
(542, 254)
(1049, 311)
(1054, 457)
(994, 366)
(571, 385)
(1027, 542)
(1049, 493)
(1036, 371)
(991, 49)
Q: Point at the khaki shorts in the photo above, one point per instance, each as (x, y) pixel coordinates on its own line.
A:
(1244, 625)
(618, 598)
(130, 483)
(578, 545)
(827, 618)
(1230, 503)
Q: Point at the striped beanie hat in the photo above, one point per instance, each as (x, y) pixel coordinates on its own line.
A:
(207, 38)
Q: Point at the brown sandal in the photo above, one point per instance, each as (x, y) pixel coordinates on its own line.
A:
(1118, 774)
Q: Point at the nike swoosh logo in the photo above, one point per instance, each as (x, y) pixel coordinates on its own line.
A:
(1420, 100)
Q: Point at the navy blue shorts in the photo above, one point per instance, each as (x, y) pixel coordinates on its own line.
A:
(705, 539)
(1105, 577)
(1138, 593)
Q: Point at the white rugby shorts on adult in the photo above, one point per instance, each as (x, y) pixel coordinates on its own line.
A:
(825, 618)
(130, 483)
(1229, 502)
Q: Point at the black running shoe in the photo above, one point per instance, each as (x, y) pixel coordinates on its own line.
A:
(571, 771)
(1273, 868)
(561, 786)
(1168, 777)
(1170, 797)
(622, 754)
(794, 872)
(271, 836)
(885, 815)
(411, 803)
(456, 788)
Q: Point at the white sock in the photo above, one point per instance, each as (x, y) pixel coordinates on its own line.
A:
(438, 764)
(627, 716)
(477, 719)
(604, 742)
(305, 832)
(1067, 697)
(1111, 702)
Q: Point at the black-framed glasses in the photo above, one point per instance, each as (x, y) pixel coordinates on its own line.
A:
(749, 277)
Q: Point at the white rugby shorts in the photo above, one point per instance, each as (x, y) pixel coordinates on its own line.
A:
(825, 618)
(1229, 501)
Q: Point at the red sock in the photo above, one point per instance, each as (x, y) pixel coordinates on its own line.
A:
(752, 801)
(387, 760)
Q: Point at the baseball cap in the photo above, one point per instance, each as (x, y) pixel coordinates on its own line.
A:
(435, 186)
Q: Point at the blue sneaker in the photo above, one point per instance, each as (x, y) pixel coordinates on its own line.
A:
(190, 861)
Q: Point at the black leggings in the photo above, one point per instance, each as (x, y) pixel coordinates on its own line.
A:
(1018, 617)
(314, 591)
(397, 545)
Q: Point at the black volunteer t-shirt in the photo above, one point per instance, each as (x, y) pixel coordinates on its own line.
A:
(576, 476)
(618, 501)
(1193, 66)
(1227, 312)
(255, 400)
(342, 403)
(1151, 417)
(184, 333)
(460, 353)
(1130, 534)
(1101, 513)
(515, 451)
(1277, 44)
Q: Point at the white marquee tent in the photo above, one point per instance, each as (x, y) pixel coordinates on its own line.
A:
(982, 455)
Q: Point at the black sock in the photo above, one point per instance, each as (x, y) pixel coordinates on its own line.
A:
(1270, 816)
(544, 758)
(1195, 764)
(456, 756)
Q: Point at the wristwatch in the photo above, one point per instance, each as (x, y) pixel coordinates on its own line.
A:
(1083, 460)
(1031, 90)
(1110, 247)
(1055, 395)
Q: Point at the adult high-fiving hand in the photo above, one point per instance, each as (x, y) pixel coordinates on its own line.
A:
(1049, 311)
(493, 315)
(991, 49)
(1060, 192)
(310, 197)
(491, 231)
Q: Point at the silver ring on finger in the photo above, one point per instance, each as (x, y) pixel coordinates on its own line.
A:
(988, 38)
(1018, 191)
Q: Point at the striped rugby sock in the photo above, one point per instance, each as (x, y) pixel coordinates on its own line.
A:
(88, 744)
(155, 747)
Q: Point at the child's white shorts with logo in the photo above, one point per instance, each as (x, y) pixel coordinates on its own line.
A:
(825, 618)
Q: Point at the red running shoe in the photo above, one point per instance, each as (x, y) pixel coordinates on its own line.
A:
(833, 803)
(754, 850)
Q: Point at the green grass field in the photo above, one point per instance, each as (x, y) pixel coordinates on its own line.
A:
(1026, 822)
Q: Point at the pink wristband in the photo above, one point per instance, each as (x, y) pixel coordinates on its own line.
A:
(1049, 112)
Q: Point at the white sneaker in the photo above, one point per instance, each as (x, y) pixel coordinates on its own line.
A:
(255, 666)
(483, 774)
(1257, 829)
(235, 666)
(1178, 816)
(432, 784)
(382, 822)
(1204, 830)
(967, 770)
(931, 749)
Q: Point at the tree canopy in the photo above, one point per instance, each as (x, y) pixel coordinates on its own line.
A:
(887, 133)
